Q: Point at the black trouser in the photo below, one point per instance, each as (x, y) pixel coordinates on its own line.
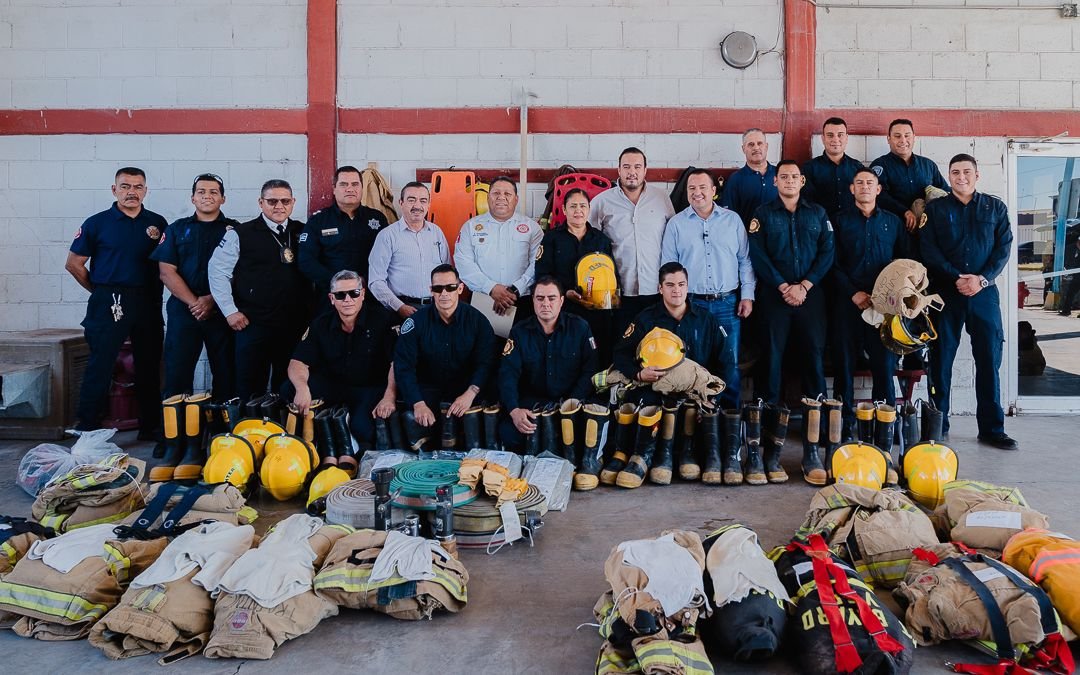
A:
(184, 339)
(262, 354)
(141, 321)
(776, 323)
(1068, 295)
(599, 321)
(629, 307)
(850, 336)
(361, 401)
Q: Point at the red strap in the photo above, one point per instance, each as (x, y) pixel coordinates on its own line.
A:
(1054, 655)
(847, 657)
(964, 548)
(1004, 667)
(928, 557)
(885, 642)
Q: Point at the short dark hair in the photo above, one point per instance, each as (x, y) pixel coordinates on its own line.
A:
(834, 121)
(672, 268)
(548, 280)
(788, 162)
(208, 176)
(345, 169)
(130, 171)
(634, 151)
(865, 169)
(412, 184)
(901, 120)
(503, 179)
(275, 184)
(963, 157)
(444, 269)
(577, 191)
(701, 172)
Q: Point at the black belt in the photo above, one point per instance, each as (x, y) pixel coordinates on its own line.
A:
(711, 296)
(416, 301)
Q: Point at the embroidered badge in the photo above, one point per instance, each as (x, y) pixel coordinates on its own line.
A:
(922, 221)
(163, 235)
(755, 225)
(78, 233)
(153, 232)
(508, 347)
(329, 232)
(523, 228)
(592, 342)
(303, 237)
(239, 619)
(304, 336)
(374, 223)
(878, 170)
(539, 251)
(478, 227)
(629, 331)
(407, 326)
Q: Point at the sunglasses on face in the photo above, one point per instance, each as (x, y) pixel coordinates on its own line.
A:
(444, 288)
(351, 293)
(284, 201)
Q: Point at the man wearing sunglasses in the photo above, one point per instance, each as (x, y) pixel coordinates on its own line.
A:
(183, 257)
(446, 352)
(258, 286)
(344, 357)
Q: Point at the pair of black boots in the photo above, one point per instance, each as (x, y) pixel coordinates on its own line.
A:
(267, 406)
(479, 426)
(328, 428)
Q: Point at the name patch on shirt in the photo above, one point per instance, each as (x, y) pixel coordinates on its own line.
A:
(329, 232)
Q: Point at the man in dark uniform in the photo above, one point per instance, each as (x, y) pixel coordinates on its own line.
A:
(125, 300)
(446, 351)
(549, 357)
(904, 178)
(183, 256)
(865, 239)
(339, 237)
(755, 183)
(256, 282)
(966, 239)
(829, 175)
(344, 357)
(1072, 261)
(791, 246)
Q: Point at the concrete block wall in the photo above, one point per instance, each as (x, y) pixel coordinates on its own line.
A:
(50, 184)
(475, 53)
(182, 53)
(1013, 57)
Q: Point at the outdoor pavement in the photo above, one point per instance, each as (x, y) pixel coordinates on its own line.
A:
(526, 604)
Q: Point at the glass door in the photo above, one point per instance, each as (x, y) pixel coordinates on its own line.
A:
(1043, 326)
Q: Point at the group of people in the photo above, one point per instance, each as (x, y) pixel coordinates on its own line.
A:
(784, 254)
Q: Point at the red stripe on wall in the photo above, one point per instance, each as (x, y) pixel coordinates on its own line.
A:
(322, 112)
(153, 121)
(543, 120)
(1016, 123)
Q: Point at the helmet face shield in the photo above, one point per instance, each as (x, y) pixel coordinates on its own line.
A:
(662, 349)
(903, 336)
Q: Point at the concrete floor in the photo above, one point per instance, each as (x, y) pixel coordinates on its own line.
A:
(525, 603)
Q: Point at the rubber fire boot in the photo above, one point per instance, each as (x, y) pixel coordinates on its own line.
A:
(713, 472)
(229, 413)
(637, 467)
(252, 407)
(775, 436)
(625, 418)
(532, 441)
(864, 419)
(171, 413)
(909, 433)
(491, 427)
(416, 436)
(448, 439)
(294, 420)
(731, 450)
(832, 411)
(755, 464)
(549, 432)
(382, 435)
(190, 466)
(273, 408)
(884, 429)
(339, 428)
(932, 420)
(660, 473)
(597, 418)
(470, 427)
(325, 443)
(396, 426)
(689, 468)
(302, 425)
(813, 469)
(569, 438)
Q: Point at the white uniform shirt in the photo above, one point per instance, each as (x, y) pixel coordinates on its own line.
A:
(488, 252)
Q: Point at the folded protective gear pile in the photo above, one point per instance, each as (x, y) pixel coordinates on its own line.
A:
(1051, 560)
(984, 516)
(222, 502)
(91, 494)
(688, 379)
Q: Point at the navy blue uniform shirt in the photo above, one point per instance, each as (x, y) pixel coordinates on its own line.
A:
(747, 189)
(902, 183)
(447, 356)
(119, 247)
(560, 252)
(788, 247)
(972, 238)
(700, 332)
(331, 242)
(547, 367)
(188, 244)
(828, 184)
(358, 359)
(864, 246)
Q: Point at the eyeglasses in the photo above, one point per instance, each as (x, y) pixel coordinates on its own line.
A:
(284, 201)
(351, 293)
(444, 288)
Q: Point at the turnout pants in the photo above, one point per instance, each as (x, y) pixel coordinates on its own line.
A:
(185, 337)
(778, 321)
(850, 337)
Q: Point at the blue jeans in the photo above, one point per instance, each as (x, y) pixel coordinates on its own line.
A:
(724, 310)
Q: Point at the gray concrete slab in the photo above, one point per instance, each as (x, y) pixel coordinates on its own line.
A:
(525, 604)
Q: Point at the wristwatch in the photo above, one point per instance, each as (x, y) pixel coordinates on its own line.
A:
(983, 282)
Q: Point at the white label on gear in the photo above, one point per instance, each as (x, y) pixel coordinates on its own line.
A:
(987, 574)
(389, 460)
(510, 522)
(1005, 519)
(500, 457)
(545, 474)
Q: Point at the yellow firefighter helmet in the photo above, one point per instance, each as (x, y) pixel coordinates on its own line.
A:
(481, 191)
(901, 335)
(231, 460)
(288, 463)
(927, 468)
(256, 431)
(859, 464)
(597, 282)
(660, 348)
(325, 481)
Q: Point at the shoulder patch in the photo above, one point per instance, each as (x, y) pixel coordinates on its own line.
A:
(508, 347)
(539, 251)
(230, 227)
(629, 330)
(306, 333)
(78, 233)
(302, 239)
(755, 225)
(828, 225)
(878, 169)
(922, 220)
(374, 223)
(408, 325)
(163, 235)
(592, 342)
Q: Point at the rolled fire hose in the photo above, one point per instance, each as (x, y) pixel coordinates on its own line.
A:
(352, 503)
(415, 483)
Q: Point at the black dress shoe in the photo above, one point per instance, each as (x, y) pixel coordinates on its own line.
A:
(1002, 441)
